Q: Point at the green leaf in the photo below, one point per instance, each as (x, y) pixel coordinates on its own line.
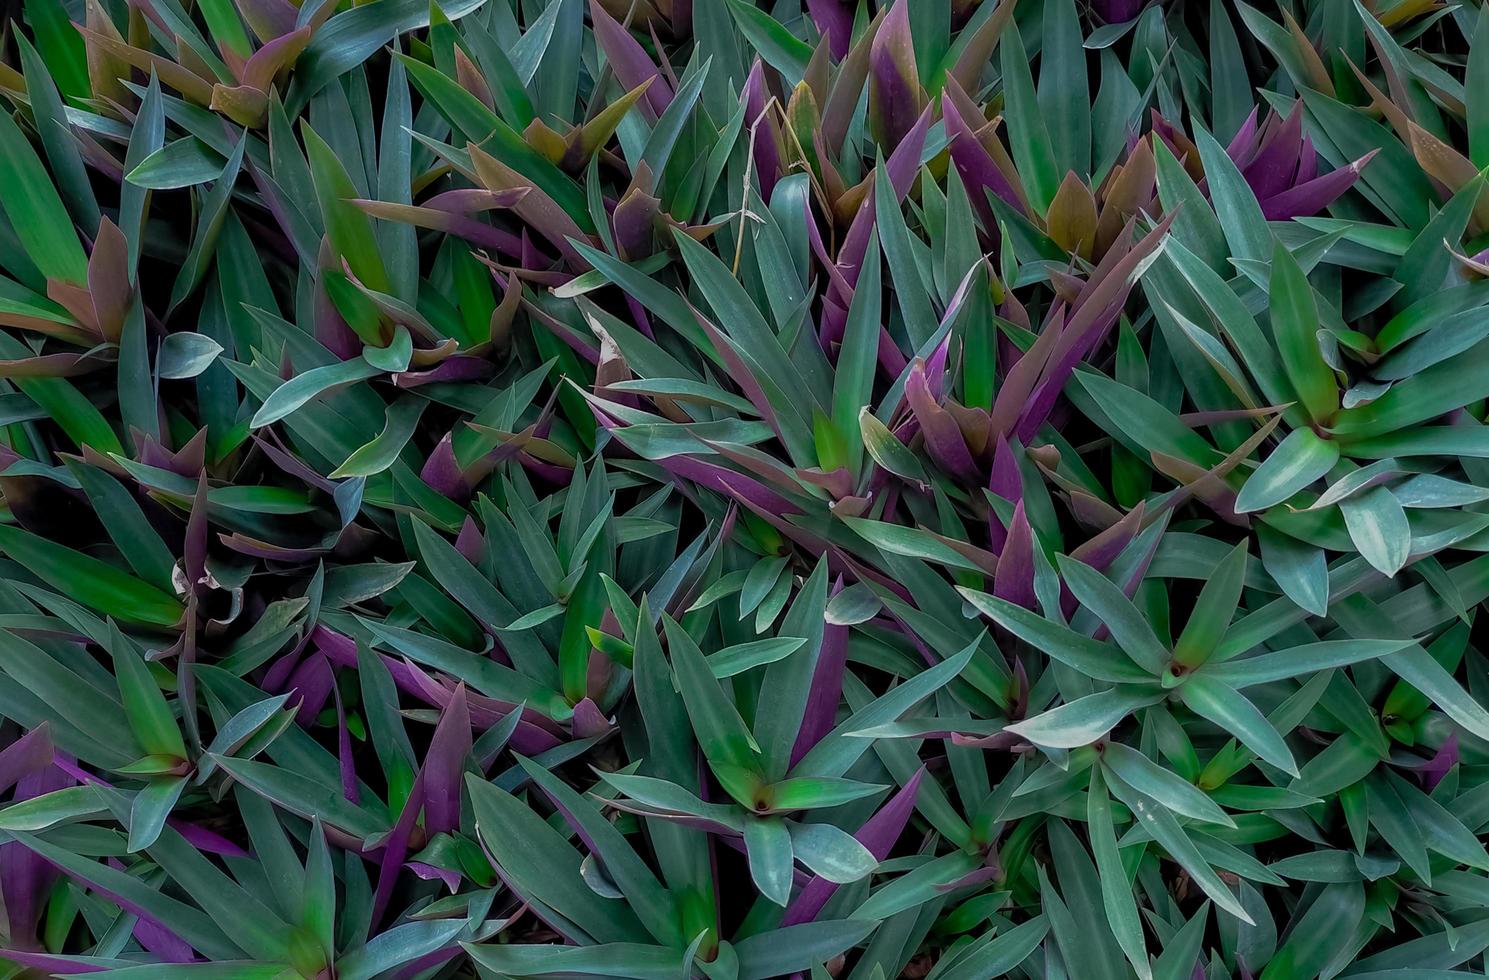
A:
(1394, 828)
(1138, 418)
(484, 128)
(185, 355)
(57, 140)
(768, 847)
(741, 657)
(1064, 92)
(1101, 596)
(644, 895)
(1416, 666)
(1377, 526)
(720, 731)
(839, 750)
(809, 792)
(379, 454)
(1428, 262)
(348, 227)
(1476, 88)
(184, 162)
(1216, 702)
(1033, 152)
(1214, 610)
(540, 864)
(911, 290)
(777, 952)
(212, 216)
(92, 582)
(912, 542)
(786, 688)
(62, 50)
(400, 945)
(145, 706)
(50, 809)
(610, 959)
(1240, 215)
(35, 211)
(1230, 89)
(830, 852)
(125, 522)
(1116, 889)
(305, 796)
(187, 921)
(1164, 829)
(1083, 720)
(297, 391)
(775, 44)
(1182, 951)
(1088, 656)
(886, 450)
(1323, 931)
(1080, 932)
(1298, 461)
(1300, 570)
(1295, 324)
(475, 593)
(1297, 661)
(997, 955)
(1152, 780)
(669, 128)
(152, 805)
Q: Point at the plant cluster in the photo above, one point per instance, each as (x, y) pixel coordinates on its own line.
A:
(734, 489)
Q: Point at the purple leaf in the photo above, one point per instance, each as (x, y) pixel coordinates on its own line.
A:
(444, 765)
(1443, 760)
(895, 96)
(1309, 198)
(26, 876)
(30, 753)
(1117, 11)
(764, 131)
(443, 473)
(429, 872)
(820, 714)
(973, 148)
(1015, 578)
(943, 437)
(1005, 480)
(629, 60)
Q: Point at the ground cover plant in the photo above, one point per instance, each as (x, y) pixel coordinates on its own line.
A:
(718, 489)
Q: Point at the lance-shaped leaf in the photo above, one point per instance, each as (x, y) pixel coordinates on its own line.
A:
(895, 95)
(537, 862)
(1215, 701)
(90, 581)
(1117, 895)
(1060, 642)
(1083, 720)
(348, 229)
(35, 212)
(1125, 621)
(629, 60)
(1160, 824)
(1299, 460)
(1295, 324)
(720, 731)
(1032, 149)
(644, 894)
(1213, 611)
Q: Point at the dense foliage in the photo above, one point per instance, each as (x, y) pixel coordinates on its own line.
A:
(707, 488)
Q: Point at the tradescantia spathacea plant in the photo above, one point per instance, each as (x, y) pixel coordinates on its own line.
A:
(723, 489)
